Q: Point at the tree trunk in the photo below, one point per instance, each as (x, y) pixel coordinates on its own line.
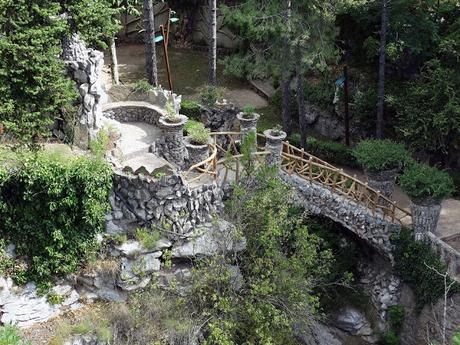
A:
(286, 111)
(302, 110)
(381, 82)
(150, 52)
(286, 84)
(113, 55)
(212, 42)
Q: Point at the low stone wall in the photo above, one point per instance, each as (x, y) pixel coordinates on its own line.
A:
(168, 202)
(448, 255)
(318, 199)
(133, 111)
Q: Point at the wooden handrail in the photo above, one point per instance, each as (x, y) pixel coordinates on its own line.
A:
(298, 161)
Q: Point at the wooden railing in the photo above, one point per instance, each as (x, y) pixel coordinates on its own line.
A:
(225, 161)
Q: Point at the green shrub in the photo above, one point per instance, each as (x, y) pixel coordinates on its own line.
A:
(191, 109)
(142, 85)
(249, 110)
(378, 155)
(148, 238)
(396, 316)
(330, 151)
(198, 134)
(412, 259)
(420, 181)
(9, 335)
(456, 179)
(390, 338)
(51, 208)
(171, 113)
(210, 95)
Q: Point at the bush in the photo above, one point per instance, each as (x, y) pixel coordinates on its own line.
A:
(412, 259)
(330, 151)
(390, 338)
(51, 207)
(198, 133)
(9, 335)
(396, 316)
(191, 109)
(420, 181)
(142, 85)
(379, 155)
(148, 238)
(456, 179)
(210, 95)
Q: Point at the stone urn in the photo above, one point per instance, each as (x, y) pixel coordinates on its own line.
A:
(425, 216)
(172, 147)
(197, 153)
(274, 144)
(248, 123)
(383, 181)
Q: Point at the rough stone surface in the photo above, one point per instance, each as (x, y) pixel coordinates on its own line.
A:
(168, 203)
(420, 326)
(424, 218)
(383, 181)
(133, 112)
(171, 145)
(24, 307)
(274, 144)
(248, 125)
(210, 239)
(196, 153)
(85, 340)
(84, 66)
(382, 286)
(351, 320)
(219, 119)
(318, 199)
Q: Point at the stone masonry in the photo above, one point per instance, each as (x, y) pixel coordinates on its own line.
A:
(318, 199)
(84, 66)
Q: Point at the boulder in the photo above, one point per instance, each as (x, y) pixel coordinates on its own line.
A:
(351, 320)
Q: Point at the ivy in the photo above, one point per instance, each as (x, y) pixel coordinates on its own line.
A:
(52, 208)
(412, 262)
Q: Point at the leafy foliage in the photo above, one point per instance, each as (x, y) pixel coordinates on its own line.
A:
(198, 133)
(428, 109)
(33, 87)
(378, 155)
(420, 181)
(9, 335)
(191, 109)
(281, 265)
(210, 95)
(412, 259)
(52, 206)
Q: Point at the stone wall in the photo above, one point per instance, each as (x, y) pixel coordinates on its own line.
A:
(165, 202)
(448, 255)
(84, 66)
(133, 112)
(320, 200)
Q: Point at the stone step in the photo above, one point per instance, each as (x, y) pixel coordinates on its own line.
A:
(148, 164)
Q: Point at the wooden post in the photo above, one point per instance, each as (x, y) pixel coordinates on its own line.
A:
(347, 115)
(165, 50)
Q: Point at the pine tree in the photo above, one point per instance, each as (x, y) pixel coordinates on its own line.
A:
(34, 89)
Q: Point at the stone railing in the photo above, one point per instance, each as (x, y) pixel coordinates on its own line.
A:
(133, 111)
(448, 255)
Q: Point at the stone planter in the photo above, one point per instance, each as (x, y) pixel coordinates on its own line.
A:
(196, 153)
(425, 216)
(173, 134)
(274, 144)
(384, 181)
(248, 125)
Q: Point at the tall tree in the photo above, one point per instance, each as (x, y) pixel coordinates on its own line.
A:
(150, 49)
(287, 77)
(381, 81)
(34, 89)
(212, 42)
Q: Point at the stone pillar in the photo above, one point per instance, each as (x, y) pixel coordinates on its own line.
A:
(196, 153)
(173, 148)
(384, 181)
(248, 124)
(274, 144)
(84, 66)
(425, 216)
